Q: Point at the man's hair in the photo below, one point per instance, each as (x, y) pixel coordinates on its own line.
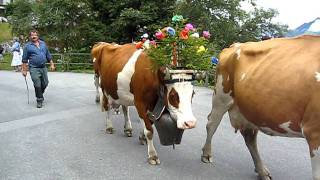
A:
(33, 31)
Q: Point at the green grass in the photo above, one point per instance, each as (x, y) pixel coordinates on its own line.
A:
(6, 34)
(6, 63)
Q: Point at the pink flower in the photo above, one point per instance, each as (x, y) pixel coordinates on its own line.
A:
(206, 34)
(159, 35)
(189, 27)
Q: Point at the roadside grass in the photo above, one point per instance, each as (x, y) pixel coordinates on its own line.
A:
(5, 64)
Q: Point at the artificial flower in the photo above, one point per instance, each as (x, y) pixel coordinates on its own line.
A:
(177, 18)
(195, 35)
(214, 60)
(184, 34)
(206, 34)
(189, 27)
(171, 31)
(159, 35)
(201, 49)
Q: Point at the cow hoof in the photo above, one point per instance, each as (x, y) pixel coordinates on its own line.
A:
(154, 160)
(128, 132)
(142, 139)
(265, 175)
(110, 130)
(206, 159)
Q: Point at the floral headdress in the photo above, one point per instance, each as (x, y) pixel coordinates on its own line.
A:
(181, 46)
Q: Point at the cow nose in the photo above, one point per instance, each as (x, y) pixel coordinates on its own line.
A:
(190, 124)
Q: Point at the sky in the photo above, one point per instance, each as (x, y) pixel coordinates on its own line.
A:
(292, 12)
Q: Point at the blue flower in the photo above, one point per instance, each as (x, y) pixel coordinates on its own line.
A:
(171, 31)
(214, 60)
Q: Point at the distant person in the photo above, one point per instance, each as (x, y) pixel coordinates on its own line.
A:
(1, 52)
(36, 54)
(16, 55)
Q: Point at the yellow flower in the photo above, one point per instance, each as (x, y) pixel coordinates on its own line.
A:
(201, 49)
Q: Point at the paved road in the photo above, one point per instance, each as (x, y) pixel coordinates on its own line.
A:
(66, 140)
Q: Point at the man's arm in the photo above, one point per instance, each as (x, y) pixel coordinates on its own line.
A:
(25, 58)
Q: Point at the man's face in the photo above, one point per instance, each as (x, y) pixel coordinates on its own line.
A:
(34, 36)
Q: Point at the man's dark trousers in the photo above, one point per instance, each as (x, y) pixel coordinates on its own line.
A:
(39, 77)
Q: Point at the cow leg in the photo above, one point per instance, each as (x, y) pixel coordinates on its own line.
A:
(127, 122)
(142, 138)
(109, 126)
(311, 131)
(315, 163)
(221, 102)
(96, 83)
(105, 106)
(250, 137)
(152, 153)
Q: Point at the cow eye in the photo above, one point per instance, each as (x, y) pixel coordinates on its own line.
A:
(173, 98)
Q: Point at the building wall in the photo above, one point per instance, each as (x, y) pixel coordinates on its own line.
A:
(4, 2)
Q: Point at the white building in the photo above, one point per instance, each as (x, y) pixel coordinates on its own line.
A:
(3, 4)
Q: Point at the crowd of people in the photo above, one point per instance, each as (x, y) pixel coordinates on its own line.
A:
(16, 49)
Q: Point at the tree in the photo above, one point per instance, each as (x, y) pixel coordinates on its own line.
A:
(228, 22)
(70, 25)
(21, 16)
(123, 17)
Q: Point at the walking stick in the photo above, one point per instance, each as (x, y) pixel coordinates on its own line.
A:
(25, 79)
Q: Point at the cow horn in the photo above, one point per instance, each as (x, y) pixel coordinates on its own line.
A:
(167, 75)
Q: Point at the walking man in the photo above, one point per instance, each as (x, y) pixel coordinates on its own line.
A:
(36, 54)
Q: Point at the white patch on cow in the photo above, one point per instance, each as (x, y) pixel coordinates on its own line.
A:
(271, 132)
(317, 76)
(238, 50)
(124, 79)
(285, 127)
(183, 114)
(94, 60)
(290, 132)
(151, 150)
(238, 53)
(315, 162)
(228, 78)
(243, 76)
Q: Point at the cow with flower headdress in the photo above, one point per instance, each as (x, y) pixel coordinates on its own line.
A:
(161, 94)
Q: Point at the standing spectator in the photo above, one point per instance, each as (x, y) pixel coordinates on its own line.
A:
(16, 55)
(1, 52)
(36, 54)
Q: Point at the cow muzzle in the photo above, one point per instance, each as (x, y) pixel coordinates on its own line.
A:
(186, 124)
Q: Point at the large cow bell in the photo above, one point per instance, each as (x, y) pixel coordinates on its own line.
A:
(167, 129)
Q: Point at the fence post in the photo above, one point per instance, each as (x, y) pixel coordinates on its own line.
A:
(206, 82)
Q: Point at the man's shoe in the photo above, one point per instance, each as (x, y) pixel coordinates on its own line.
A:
(39, 104)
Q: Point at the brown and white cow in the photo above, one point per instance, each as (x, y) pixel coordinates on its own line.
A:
(127, 78)
(272, 86)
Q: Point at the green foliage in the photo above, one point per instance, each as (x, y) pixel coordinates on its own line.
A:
(21, 15)
(73, 25)
(228, 22)
(70, 25)
(123, 17)
(5, 64)
(5, 34)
